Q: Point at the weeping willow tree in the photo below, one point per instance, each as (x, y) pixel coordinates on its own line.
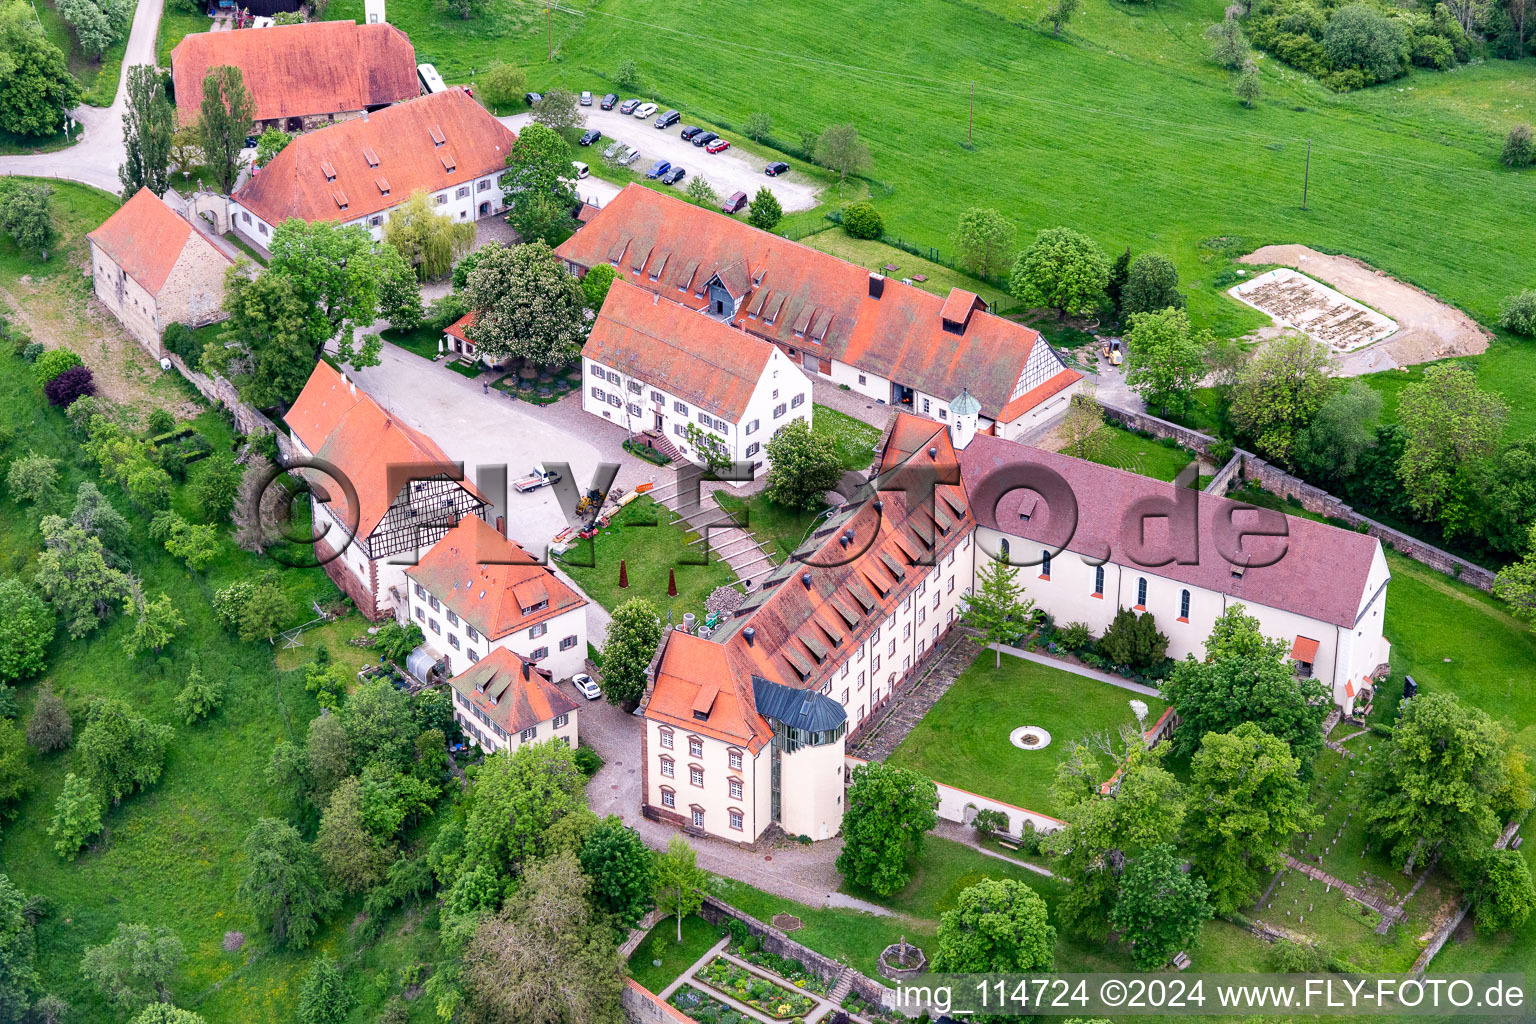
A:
(426, 240)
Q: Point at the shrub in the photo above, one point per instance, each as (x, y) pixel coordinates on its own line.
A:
(1518, 313)
(588, 761)
(179, 340)
(1519, 147)
(1362, 39)
(54, 362)
(990, 821)
(31, 350)
(70, 385)
(862, 220)
(1074, 636)
(1133, 640)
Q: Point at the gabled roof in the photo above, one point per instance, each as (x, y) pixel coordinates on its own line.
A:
(359, 167)
(458, 328)
(692, 679)
(1318, 571)
(808, 300)
(344, 426)
(322, 67)
(491, 582)
(809, 613)
(146, 238)
(512, 691)
(692, 356)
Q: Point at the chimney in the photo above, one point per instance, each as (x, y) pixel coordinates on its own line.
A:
(805, 580)
(747, 635)
(655, 298)
(501, 525)
(526, 670)
(876, 285)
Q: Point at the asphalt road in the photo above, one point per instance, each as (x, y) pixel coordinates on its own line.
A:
(95, 159)
(731, 171)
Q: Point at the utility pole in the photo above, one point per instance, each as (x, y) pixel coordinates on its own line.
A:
(549, 31)
(971, 124)
(1306, 178)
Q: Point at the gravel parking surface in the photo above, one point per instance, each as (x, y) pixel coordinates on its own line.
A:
(731, 171)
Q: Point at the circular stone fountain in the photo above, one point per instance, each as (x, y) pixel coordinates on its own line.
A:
(902, 960)
(1030, 737)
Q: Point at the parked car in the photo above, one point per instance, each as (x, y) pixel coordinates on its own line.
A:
(718, 146)
(609, 99)
(250, 142)
(668, 119)
(532, 98)
(586, 99)
(613, 150)
(673, 176)
(628, 157)
(705, 138)
(533, 481)
(690, 131)
(586, 687)
(776, 168)
(734, 202)
(589, 136)
(628, 106)
(582, 170)
(645, 110)
(659, 168)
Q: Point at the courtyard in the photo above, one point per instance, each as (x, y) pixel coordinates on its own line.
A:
(964, 740)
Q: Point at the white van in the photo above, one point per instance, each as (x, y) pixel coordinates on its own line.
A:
(431, 81)
(582, 170)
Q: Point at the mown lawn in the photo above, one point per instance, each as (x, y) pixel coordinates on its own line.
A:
(780, 530)
(422, 341)
(174, 27)
(647, 539)
(876, 254)
(963, 740)
(698, 936)
(97, 76)
(1118, 447)
(855, 440)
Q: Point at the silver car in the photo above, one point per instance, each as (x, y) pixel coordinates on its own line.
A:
(628, 158)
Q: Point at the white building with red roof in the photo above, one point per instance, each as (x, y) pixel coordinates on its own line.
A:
(445, 145)
(382, 492)
(890, 341)
(476, 592)
(504, 701)
(659, 368)
(152, 267)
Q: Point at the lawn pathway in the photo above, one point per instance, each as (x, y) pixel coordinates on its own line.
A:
(1078, 670)
(697, 965)
(966, 836)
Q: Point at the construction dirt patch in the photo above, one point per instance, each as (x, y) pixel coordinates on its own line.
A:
(1427, 329)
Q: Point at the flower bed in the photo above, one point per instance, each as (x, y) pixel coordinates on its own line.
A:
(792, 971)
(745, 987)
(706, 1009)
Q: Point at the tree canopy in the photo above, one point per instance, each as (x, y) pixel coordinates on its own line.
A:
(621, 868)
(36, 88)
(633, 634)
(1160, 908)
(996, 607)
(1151, 284)
(1279, 391)
(983, 241)
(148, 126)
(539, 184)
(802, 466)
(1165, 358)
(224, 120)
(996, 925)
(889, 811)
(119, 751)
(283, 885)
(426, 240)
(1062, 269)
(526, 304)
(26, 630)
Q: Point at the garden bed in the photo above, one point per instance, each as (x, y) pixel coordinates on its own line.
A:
(791, 970)
(746, 987)
(535, 386)
(706, 1009)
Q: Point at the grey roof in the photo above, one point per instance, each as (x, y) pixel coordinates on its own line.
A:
(798, 709)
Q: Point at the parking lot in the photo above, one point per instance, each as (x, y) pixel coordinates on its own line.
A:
(728, 172)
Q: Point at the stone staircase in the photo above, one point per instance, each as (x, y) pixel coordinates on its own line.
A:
(844, 985)
(716, 528)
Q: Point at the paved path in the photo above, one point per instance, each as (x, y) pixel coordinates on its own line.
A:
(94, 159)
(966, 836)
(933, 678)
(851, 403)
(1079, 670)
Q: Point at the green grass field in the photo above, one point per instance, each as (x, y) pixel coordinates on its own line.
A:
(644, 537)
(963, 741)
(698, 936)
(1118, 447)
(97, 77)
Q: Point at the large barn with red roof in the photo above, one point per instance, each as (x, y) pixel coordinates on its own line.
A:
(881, 338)
(152, 267)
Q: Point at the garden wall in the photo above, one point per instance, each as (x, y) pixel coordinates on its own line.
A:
(642, 1006)
(774, 941)
(248, 419)
(960, 805)
(1249, 466)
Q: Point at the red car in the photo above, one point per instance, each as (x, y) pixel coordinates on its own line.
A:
(718, 146)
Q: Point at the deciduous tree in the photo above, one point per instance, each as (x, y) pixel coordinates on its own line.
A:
(1278, 392)
(679, 881)
(354, 858)
(596, 284)
(199, 698)
(148, 126)
(76, 816)
(1059, 12)
(164, 1013)
(502, 86)
(526, 305)
(539, 183)
(269, 143)
(984, 240)
(997, 925)
(137, 966)
(50, 728)
(156, 625)
(15, 772)
(1501, 890)
(802, 466)
(33, 478)
(547, 958)
(559, 111)
(1246, 802)
(119, 751)
(758, 126)
(283, 886)
(621, 868)
(1516, 583)
(1165, 358)
(889, 810)
(1338, 434)
(1246, 84)
(26, 214)
(265, 347)
(75, 578)
(97, 23)
(1160, 908)
(1083, 425)
(1062, 270)
(633, 635)
(26, 630)
(517, 798)
(37, 90)
(1229, 46)
(426, 240)
(839, 148)
(764, 211)
(337, 272)
(1450, 425)
(18, 953)
(1151, 284)
(224, 120)
(1519, 147)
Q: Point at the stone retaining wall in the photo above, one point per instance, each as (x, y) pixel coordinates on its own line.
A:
(642, 1006)
(248, 419)
(1247, 466)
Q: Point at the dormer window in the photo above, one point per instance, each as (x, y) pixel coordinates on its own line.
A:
(383, 184)
(370, 156)
(328, 169)
(438, 138)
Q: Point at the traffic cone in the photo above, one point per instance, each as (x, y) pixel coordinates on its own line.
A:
(671, 583)
(623, 575)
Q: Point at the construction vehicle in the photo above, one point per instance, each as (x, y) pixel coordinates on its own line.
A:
(1112, 351)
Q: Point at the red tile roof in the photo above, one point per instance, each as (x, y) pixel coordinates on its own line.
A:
(823, 299)
(512, 691)
(491, 582)
(353, 162)
(459, 326)
(693, 675)
(347, 428)
(1322, 573)
(1304, 649)
(689, 354)
(324, 67)
(146, 238)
